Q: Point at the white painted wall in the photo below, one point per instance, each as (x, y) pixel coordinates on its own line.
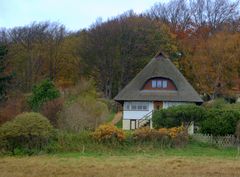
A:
(136, 114)
(139, 114)
(128, 115)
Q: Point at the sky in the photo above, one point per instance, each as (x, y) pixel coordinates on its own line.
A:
(74, 14)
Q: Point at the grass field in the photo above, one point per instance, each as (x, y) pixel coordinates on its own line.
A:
(119, 166)
(195, 160)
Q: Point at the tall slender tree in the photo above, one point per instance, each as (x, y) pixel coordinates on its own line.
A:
(4, 77)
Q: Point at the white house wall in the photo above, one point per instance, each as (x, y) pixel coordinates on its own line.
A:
(129, 115)
(136, 114)
(139, 114)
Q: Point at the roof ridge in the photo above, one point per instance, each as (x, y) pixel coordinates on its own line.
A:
(160, 54)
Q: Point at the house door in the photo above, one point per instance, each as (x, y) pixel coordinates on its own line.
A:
(132, 124)
(158, 105)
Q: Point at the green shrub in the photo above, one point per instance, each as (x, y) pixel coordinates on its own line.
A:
(235, 106)
(27, 131)
(83, 109)
(111, 104)
(220, 121)
(176, 115)
(216, 103)
(63, 141)
(82, 89)
(51, 109)
(84, 113)
(221, 103)
(41, 93)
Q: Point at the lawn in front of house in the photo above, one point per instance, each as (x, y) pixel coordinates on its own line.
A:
(192, 149)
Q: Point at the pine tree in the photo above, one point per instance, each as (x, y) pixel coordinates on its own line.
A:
(4, 78)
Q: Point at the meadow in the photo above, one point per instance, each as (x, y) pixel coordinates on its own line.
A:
(139, 165)
(196, 159)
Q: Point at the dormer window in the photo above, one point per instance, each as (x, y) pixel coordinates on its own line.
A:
(159, 83)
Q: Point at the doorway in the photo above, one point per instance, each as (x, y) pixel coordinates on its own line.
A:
(158, 105)
(132, 124)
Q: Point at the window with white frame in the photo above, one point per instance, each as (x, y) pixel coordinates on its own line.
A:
(159, 83)
(127, 106)
(164, 84)
(136, 106)
(154, 84)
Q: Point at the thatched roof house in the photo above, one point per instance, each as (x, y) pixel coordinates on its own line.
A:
(159, 85)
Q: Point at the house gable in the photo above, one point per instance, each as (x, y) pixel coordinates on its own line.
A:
(159, 67)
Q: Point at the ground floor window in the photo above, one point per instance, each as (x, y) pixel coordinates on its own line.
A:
(136, 106)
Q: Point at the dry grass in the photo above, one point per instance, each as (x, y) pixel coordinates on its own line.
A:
(50, 166)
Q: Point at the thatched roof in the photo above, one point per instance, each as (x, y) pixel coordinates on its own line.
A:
(159, 66)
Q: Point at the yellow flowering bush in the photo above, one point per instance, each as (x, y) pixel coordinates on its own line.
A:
(178, 135)
(142, 133)
(147, 134)
(163, 131)
(174, 131)
(108, 133)
(175, 136)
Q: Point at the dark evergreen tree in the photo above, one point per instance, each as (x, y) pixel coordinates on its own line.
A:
(4, 77)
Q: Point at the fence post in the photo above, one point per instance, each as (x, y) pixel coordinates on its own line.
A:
(210, 138)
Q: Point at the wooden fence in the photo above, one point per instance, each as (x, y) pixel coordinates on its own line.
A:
(222, 141)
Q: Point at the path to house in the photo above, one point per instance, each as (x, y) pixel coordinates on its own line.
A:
(117, 118)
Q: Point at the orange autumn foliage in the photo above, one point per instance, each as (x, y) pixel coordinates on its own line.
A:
(212, 63)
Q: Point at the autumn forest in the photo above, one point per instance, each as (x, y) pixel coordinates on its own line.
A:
(201, 37)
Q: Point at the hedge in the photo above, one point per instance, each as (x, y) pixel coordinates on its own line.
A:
(176, 115)
(215, 121)
(220, 122)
